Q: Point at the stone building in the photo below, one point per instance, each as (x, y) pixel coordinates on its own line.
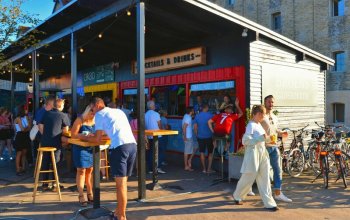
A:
(322, 25)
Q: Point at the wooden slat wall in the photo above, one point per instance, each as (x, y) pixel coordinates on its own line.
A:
(262, 52)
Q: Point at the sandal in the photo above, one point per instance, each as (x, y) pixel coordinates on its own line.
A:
(90, 198)
(112, 216)
(82, 203)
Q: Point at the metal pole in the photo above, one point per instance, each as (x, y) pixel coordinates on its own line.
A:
(141, 97)
(13, 86)
(73, 53)
(36, 85)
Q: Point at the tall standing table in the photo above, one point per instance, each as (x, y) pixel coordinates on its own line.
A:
(96, 211)
(155, 133)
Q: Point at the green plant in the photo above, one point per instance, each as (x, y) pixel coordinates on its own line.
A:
(247, 115)
(275, 112)
(240, 152)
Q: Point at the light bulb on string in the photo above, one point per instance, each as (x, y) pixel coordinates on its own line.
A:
(128, 13)
(30, 57)
(30, 79)
(4, 72)
(21, 64)
(38, 55)
(81, 50)
(63, 56)
(51, 57)
(100, 35)
(16, 68)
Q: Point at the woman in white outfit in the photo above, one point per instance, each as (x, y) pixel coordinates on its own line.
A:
(256, 162)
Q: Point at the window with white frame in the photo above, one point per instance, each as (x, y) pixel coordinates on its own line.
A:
(339, 65)
(276, 21)
(231, 2)
(338, 7)
(338, 113)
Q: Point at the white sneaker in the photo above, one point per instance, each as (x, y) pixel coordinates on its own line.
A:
(251, 193)
(283, 198)
(161, 171)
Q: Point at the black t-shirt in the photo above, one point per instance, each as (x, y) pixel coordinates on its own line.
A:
(53, 122)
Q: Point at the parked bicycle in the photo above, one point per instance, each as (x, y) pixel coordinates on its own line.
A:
(330, 155)
(296, 155)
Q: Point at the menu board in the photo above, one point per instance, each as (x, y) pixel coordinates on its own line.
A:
(98, 75)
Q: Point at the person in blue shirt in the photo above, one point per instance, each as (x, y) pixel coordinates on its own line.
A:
(198, 106)
(204, 136)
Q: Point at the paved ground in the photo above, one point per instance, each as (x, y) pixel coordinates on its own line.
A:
(189, 195)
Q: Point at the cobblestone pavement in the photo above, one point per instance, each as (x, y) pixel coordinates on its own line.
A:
(187, 195)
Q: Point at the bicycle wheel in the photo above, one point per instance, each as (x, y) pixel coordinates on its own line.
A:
(325, 171)
(295, 162)
(341, 169)
(314, 159)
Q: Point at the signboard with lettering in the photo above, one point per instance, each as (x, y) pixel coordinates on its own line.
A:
(98, 75)
(181, 59)
(290, 86)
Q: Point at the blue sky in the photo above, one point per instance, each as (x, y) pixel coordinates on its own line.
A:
(43, 8)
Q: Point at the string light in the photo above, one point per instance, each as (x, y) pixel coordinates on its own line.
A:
(63, 56)
(51, 57)
(21, 64)
(128, 13)
(81, 50)
(16, 68)
(30, 57)
(100, 35)
(4, 71)
(38, 55)
(30, 79)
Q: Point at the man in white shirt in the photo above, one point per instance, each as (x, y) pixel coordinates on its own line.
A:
(123, 148)
(152, 122)
(270, 125)
(187, 137)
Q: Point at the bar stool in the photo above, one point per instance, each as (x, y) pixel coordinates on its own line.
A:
(38, 170)
(220, 146)
(106, 166)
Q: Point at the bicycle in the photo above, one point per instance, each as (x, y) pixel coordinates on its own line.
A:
(331, 155)
(296, 155)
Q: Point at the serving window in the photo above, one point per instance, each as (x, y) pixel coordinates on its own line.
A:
(212, 93)
(170, 98)
(130, 98)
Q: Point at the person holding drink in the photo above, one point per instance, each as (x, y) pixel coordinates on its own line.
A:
(82, 156)
(256, 163)
(270, 125)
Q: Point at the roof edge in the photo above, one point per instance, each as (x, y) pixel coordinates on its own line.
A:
(214, 8)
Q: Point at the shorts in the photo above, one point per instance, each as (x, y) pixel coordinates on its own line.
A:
(205, 144)
(189, 145)
(122, 160)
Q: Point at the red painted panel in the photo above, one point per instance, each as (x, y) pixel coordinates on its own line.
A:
(219, 74)
(156, 81)
(211, 75)
(162, 80)
(204, 76)
(196, 77)
(173, 79)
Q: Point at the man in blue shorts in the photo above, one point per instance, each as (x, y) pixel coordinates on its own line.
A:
(204, 136)
(115, 124)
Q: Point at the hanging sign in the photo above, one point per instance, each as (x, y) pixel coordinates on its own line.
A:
(181, 59)
(97, 75)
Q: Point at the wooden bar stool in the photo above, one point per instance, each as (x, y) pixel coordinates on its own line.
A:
(106, 166)
(38, 170)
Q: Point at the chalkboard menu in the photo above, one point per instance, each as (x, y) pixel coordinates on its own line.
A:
(98, 75)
